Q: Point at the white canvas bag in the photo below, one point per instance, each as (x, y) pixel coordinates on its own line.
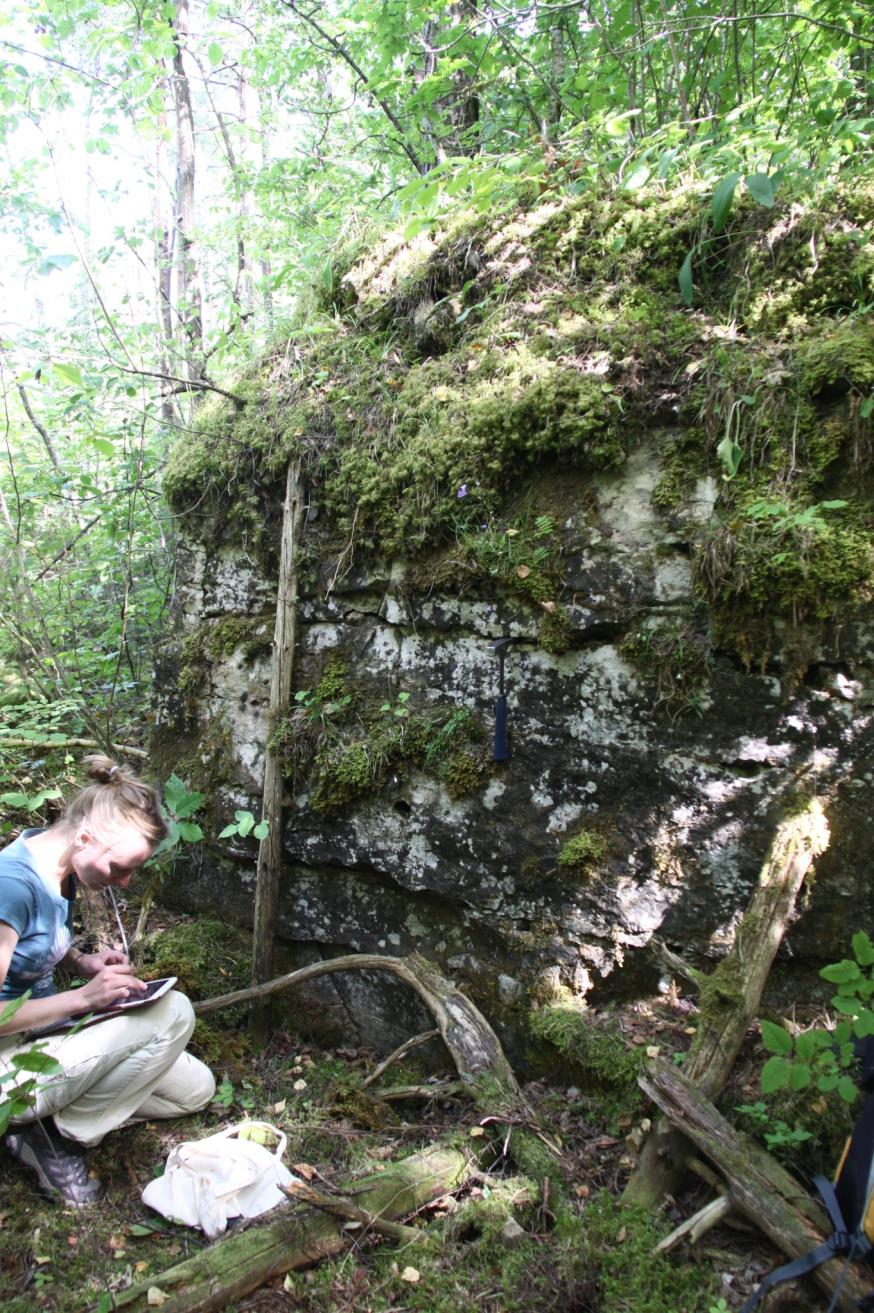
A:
(208, 1181)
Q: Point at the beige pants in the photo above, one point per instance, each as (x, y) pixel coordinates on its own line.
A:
(129, 1069)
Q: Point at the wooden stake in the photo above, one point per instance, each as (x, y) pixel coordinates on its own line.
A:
(270, 851)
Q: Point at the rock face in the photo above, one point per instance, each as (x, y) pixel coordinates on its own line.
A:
(649, 761)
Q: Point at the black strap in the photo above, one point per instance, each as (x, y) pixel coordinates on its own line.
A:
(828, 1196)
(798, 1267)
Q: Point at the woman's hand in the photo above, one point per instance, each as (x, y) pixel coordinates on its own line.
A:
(114, 982)
(90, 964)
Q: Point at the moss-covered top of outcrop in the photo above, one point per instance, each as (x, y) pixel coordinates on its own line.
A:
(450, 364)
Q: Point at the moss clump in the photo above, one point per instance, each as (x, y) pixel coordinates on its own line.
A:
(675, 658)
(213, 640)
(582, 851)
(465, 770)
(619, 1247)
(778, 562)
(341, 746)
(208, 957)
(600, 1056)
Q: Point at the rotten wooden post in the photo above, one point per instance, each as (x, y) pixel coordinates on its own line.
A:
(758, 1186)
(730, 996)
(270, 850)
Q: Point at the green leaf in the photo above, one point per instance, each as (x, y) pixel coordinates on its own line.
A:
(245, 822)
(684, 277)
(731, 454)
(104, 446)
(775, 1038)
(190, 832)
(188, 805)
(228, 831)
(214, 53)
(761, 188)
(69, 374)
(720, 206)
(863, 1026)
(861, 941)
(847, 1006)
(847, 1090)
(261, 830)
(33, 1060)
(775, 1074)
(827, 1083)
(839, 973)
(800, 1076)
(866, 407)
(15, 800)
(805, 1046)
(638, 178)
(174, 791)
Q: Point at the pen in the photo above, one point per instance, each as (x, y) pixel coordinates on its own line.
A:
(118, 921)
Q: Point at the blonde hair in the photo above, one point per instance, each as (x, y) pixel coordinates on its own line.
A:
(116, 797)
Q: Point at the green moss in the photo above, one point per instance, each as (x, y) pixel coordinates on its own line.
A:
(675, 658)
(600, 1056)
(208, 957)
(620, 1243)
(465, 770)
(583, 850)
(800, 566)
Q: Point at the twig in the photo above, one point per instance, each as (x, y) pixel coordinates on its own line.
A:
(400, 1052)
(445, 1089)
(675, 962)
(697, 1225)
(336, 1206)
(122, 748)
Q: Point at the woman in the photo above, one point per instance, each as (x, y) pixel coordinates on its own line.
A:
(127, 1068)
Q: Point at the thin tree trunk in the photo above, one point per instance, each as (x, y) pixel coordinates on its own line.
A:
(270, 851)
(189, 307)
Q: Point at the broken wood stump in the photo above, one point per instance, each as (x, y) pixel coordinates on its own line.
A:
(757, 1186)
(730, 995)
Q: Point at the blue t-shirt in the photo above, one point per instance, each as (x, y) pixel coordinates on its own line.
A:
(39, 915)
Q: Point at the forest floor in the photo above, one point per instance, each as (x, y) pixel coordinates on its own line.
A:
(590, 1256)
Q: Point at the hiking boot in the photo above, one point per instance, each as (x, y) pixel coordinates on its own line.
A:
(59, 1163)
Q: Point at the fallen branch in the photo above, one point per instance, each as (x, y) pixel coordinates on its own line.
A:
(295, 1237)
(346, 1211)
(697, 1225)
(400, 1052)
(676, 964)
(123, 749)
(475, 1048)
(445, 1089)
(758, 1187)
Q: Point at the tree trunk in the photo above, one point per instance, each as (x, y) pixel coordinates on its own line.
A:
(730, 996)
(188, 302)
(758, 1186)
(270, 851)
(298, 1236)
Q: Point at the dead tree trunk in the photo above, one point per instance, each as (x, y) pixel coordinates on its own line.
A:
(730, 996)
(296, 1237)
(270, 851)
(758, 1186)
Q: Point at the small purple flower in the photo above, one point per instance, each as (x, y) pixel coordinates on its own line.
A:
(462, 491)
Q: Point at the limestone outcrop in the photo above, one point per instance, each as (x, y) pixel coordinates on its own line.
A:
(668, 509)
